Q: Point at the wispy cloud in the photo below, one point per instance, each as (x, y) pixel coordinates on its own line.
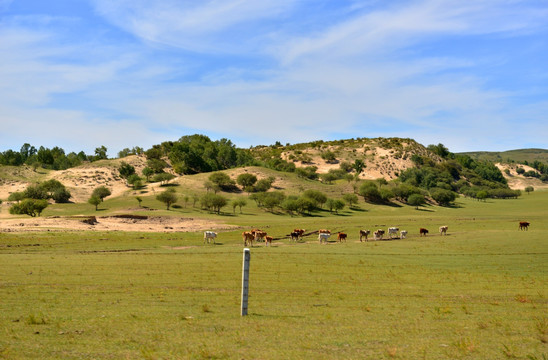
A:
(258, 72)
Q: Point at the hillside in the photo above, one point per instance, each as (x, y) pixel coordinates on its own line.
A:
(381, 158)
(520, 156)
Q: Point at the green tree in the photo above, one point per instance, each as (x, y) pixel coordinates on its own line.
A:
(31, 207)
(157, 165)
(328, 178)
(482, 195)
(213, 202)
(416, 200)
(529, 189)
(101, 153)
(351, 199)
(101, 192)
(238, 203)
(168, 197)
(246, 180)
(335, 204)
(135, 180)
(16, 196)
(163, 178)
(316, 196)
(370, 192)
(358, 166)
(139, 200)
(147, 173)
(329, 156)
(264, 185)
(222, 180)
(95, 201)
(443, 197)
(126, 170)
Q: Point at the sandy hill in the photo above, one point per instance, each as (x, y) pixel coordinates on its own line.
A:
(383, 158)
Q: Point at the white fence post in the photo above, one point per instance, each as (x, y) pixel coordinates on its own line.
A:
(245, 281)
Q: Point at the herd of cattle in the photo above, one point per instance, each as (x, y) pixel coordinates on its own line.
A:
(249, 237)
(256, 235)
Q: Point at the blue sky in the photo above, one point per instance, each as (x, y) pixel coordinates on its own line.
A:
(79, 74)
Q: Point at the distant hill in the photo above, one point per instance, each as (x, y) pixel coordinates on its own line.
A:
(510, 156)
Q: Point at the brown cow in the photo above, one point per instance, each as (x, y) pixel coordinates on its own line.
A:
(524, 225)
(268, 240)
(324, 231)
(341, 236)
(423, 231)
(247, 236)
(378, 234)
(364, 234)
(260, 235)
(294, 236)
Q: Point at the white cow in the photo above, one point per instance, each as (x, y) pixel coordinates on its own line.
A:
(403, 234)
(208, 235)
(443, 230)
(323, 237)
(393, 231)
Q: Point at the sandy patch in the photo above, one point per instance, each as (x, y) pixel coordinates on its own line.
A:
(111, 223)
(520, 182)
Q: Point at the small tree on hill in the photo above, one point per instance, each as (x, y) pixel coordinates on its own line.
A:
(95, 201)
(168, 197)
(126, 170)
(101, 192)
(246, 181)
(163, 178)
(147, 173)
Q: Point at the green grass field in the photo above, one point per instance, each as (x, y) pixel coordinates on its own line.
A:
(478, 293)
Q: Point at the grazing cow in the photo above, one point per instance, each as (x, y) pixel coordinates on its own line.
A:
(323, 237)
(443, 230)
(260, 235)
(248, 237)
(524, 225)
(297, 234)
(393, 231)
(208, 235)
(423, 231)
(341, 236)
(403, 234)
(299, 231)
(324, 231)
(364, 234)
(268, 240)
(378, 234)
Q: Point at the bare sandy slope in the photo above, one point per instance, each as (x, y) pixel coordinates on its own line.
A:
(519, 182)
(111, 223)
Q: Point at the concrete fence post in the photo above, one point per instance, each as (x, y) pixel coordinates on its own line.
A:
(245, 281)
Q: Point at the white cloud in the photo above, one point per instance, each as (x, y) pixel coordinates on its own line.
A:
(358, 76)
(196, 26)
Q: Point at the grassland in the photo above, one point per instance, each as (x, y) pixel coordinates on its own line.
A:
(478, 293)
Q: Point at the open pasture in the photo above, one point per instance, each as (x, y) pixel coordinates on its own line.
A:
(478, 293)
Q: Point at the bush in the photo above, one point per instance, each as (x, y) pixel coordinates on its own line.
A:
(168, 197)
(101, 192)
(416, 200)
(442, 196)
(31, 207)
